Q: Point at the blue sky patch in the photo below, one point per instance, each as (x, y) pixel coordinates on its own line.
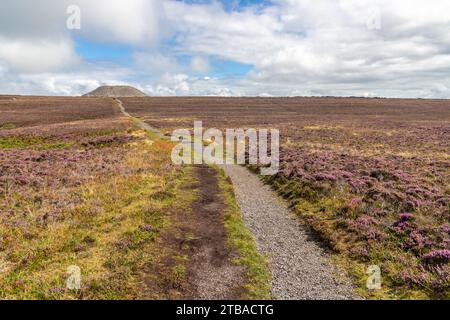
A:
(229, 69)
(233, 5)
(96, 51)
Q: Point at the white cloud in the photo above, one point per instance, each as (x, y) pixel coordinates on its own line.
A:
(320, 47)
(36, 56)
(155, 63)
(136, 22)
(64, 83)
(327, 46)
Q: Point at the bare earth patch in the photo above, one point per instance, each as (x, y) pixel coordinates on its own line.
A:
(198, 260)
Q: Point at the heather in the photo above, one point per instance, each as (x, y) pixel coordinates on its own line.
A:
(387, 210)
(92, 193)
(370, 177)
(98, 203)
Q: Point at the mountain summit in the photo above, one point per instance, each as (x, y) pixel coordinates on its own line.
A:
(115, 91)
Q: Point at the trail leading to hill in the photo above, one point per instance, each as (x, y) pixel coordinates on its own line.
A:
(141, 124)
(298, 264)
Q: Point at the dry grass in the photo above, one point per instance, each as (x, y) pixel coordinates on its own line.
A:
(79, 186)
(107, 228)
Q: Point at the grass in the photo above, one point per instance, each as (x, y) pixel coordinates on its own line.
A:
(8, 126)
(56, 145)
(109, 233)
(166, 275)
(257, 268)
(20, 142)
(104, 132)
(37, 143)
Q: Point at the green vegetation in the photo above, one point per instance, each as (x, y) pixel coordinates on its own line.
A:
(7, 126)
(36, 143)
(60, 145)
(20, 142)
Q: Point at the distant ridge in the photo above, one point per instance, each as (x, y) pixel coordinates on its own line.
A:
(115, 92)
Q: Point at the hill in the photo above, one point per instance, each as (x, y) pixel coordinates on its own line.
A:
(115, 91)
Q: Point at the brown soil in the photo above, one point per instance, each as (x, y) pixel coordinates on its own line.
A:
(201, 236)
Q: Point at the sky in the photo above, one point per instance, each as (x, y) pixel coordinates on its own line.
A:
(267, 48)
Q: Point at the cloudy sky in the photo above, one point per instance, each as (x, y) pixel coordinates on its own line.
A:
(387, 48)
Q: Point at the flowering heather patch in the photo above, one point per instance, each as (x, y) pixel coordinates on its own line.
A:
(401, 204)
(58, 167)
(445, 229)
(403, 127)
(437, 257)
(27, 172)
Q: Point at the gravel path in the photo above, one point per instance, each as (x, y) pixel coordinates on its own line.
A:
(140, 124)
(298, 264)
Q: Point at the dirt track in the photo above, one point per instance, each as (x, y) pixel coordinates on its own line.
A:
(211, 271)
(201, 235)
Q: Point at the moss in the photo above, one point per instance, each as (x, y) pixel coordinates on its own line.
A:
(179, 272)
(58, 145)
